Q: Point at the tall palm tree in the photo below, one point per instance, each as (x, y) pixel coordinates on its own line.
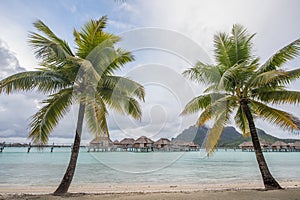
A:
(85, 77)
(240, 88)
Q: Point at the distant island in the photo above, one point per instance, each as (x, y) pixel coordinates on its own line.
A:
(230, 137)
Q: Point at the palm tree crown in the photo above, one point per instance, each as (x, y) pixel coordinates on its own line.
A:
(238, 77)
(61, 70)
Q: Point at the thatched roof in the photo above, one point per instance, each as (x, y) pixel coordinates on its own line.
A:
(143, 140)
(116, 142)
(250, 144)
(279, 143)
(246, 144)
(98, 140)
(179, 143)
(297, 144)
(291, 144)
(263, 143)
(127, 141)
(162, 141)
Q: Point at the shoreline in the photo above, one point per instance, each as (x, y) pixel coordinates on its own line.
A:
(106, 188)
(254, 190)
(241, 194)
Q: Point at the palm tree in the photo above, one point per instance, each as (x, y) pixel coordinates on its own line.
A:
(239, 88)
(85, 77)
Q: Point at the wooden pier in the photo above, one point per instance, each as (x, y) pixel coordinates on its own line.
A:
(30, 146)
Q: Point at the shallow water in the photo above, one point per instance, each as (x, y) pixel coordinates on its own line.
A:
(44, 168)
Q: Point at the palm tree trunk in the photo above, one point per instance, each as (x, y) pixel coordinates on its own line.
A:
(67, 179)
(269, 181)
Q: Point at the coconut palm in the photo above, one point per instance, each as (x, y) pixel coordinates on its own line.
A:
(85, 77)
(240, 88)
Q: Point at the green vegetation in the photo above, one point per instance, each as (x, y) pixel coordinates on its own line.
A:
(85, 77)
(239, 87)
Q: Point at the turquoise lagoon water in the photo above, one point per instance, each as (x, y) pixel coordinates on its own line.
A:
(45, 168)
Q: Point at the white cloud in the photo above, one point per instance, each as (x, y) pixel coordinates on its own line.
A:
(15, 109)
(73, 8)
(9, 64)
(120, 25)
(15, 37)
(126, 7)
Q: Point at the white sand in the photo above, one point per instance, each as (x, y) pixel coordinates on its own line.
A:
(139, 188)
(287, 194)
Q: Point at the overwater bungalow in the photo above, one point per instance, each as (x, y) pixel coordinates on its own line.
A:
(193, 146)
(163, 144)
(117, 145)
(296, 146)
(180, 145)
(265, 146)
(280, 146)
(101, 143)
(143, 144)
(127, 144)
(248, 146)
(116, 142)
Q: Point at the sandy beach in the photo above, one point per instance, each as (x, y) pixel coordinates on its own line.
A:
(133, 192)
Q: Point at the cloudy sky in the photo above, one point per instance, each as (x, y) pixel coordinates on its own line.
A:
(166, 37)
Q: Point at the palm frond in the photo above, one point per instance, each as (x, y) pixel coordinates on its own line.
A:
(25, 81)
(44, 121)
(92, 35)
(268, 78)
(242, 122)
(106, 59)
(203, 73)
(95, 115)
(133, 109)
(278, 97)
(120, 102)
(277, 117)
(200, 103)
(216, 107)
(222, 45)
(287, 78)
(50, 49)
(102, 56)
(39, 25)
(234, 48)
(235, 76)
(210, 89)
(126, 85)
(215, 132)
(281, 57)
(122, 57)
(240, 51)
(293, 74)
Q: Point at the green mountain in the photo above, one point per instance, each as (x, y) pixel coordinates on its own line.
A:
(229, 138)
